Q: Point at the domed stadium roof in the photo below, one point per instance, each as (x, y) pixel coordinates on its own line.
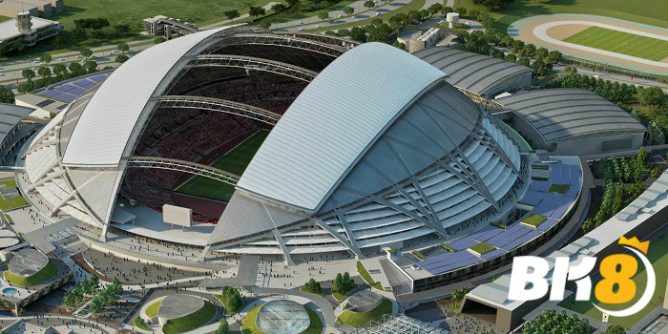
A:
(377, 149)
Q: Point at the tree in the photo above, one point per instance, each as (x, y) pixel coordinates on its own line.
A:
(348, 10)
(615, 329)
(524, 61)
(44, 72)
(123, 48)
(90, 66)
(358, 34)
(231, 14)
(435, 8)
(656, 171)
(292, 2)
(121, 59)
(45, 58)
(369, 4)
(493, 4)
(75, 68)
(458, 294)
(6, 95)
(323, 15)
(59, 70)
(231, 300)
(86, 53)
(510, 57)
(312, 286)
(122, 29)
(554, 56)
(255, 11)
(223, 327)
(651, 96)
(28, 74)
(279, 7)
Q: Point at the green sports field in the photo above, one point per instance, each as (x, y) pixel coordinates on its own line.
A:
(235, 162)
(621, 42)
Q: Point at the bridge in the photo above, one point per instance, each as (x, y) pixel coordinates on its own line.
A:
(255, 64)
(183, 166)
(219, 105)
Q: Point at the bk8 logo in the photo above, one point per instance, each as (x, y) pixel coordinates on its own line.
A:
(528, 279)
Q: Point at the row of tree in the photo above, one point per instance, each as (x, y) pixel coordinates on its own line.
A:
(81, 292)
(343, 284)
(551, 321)
(106, 297)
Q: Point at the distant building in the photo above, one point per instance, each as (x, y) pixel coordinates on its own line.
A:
(417, 40)
(41, 8)
(26, 30)
(168, 27)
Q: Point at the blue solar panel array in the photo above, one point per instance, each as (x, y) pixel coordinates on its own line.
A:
(552, 206)
(72, 90)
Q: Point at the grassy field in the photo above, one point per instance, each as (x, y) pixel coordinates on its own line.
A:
(413, 5)
(42, 276)
(642, 11)
(301, 11)
(658, 255)
(132, 12)
(621, 42)
(11, 203)
(534, 220)
(153, 309)
(234, 162)
(190, 322)
(361, 319)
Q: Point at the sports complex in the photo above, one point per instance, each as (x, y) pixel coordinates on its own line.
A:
(600, 39)
(260, 156)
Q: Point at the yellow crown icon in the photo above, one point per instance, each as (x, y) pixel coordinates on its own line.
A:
(635, 243)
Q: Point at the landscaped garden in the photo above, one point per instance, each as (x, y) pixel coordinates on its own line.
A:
(46, 274)
(189, 322)
(361, 319)
(534, 220)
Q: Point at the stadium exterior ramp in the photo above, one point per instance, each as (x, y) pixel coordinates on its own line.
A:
(370, 154)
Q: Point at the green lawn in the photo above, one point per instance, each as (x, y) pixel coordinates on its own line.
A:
(559, 188)
(658, 255)
(234, 162)
(14, 202)
(249, 322)
(301, 11)
(139, 323)
(357, 319)
(367, 277)
(153, 309)
(621, 42)
(132, 12)
(534, 220)
(482, 248)
(42, 276)
(4, 18)
(642, 11)
(413, 5)
(190, 322)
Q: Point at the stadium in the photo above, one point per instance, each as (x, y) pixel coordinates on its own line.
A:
(292, 146)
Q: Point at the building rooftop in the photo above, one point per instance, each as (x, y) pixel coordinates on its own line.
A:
(333, 122)
(470, 71)
(8, 29)
(559, 114)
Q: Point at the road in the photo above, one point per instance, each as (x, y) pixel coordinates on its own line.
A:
(621, 78)
(10, 70)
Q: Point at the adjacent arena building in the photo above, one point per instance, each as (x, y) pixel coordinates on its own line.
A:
(573, 121)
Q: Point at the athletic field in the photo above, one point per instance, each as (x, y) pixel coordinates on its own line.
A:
(621, 42)
(235, 162)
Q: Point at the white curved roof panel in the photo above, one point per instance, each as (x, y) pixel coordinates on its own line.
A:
(107, 123)
(333, 122)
